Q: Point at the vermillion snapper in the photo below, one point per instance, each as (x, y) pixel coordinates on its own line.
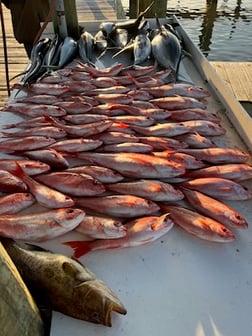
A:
(196, 224)
(136, 164)
(45, 196)
(140, 231)
(40, 226)
(215, 209)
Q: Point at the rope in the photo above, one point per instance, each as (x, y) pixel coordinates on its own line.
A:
(5, 50)
(48, 19)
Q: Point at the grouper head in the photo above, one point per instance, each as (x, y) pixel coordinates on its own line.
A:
(65, 284)
(81, 295)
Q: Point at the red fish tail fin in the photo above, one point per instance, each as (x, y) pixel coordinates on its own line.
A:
(132, 78)
(18, 171)
(122, 124)
(5, 134)
(48, 119)
(113, 106)
(80, 247)
(166, 153)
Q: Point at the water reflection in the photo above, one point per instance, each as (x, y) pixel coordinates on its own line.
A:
(237, 13)
(221, 28)
(217, 21)
(208, 26)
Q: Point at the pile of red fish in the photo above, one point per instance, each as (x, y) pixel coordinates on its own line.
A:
(119, 155)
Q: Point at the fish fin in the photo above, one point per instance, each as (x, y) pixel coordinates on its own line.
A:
(114, 106)
(168, 151)
(122, 124)
(158, 224)
(80, 247)
(225, 189)
(48, 119)
(132, 78)
(127, 47)
(18, 171)
(32, 247)
(5, 134)
(76, 259)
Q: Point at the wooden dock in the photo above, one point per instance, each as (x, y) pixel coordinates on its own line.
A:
(17, 58)
(237, 75)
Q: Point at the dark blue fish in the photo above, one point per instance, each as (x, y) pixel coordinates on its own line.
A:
(86, 47)
(53, 53)
(68, 51)
(166, 49)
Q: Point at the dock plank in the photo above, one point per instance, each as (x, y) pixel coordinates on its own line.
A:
(17, 58)
(96, 10)
(238, 76)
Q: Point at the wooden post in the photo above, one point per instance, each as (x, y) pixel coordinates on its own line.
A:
(158, 8)
(133, 8)
(66, 20)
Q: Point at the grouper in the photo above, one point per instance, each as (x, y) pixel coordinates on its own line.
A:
(64, 283)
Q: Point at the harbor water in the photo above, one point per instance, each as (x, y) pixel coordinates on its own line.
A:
(222, 29)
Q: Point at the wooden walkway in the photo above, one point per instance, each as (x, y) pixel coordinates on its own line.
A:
(17, 58)
(238, 75)
(92, 10)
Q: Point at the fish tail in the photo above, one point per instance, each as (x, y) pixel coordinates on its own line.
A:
(18, 171)
(48, 118)
(120, 124)
(80, 247)
(9, 125)
(112, 106)
(5, 134)
(131, 77)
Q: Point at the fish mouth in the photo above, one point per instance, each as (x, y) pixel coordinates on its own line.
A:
(112, 306)
(108, 318)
